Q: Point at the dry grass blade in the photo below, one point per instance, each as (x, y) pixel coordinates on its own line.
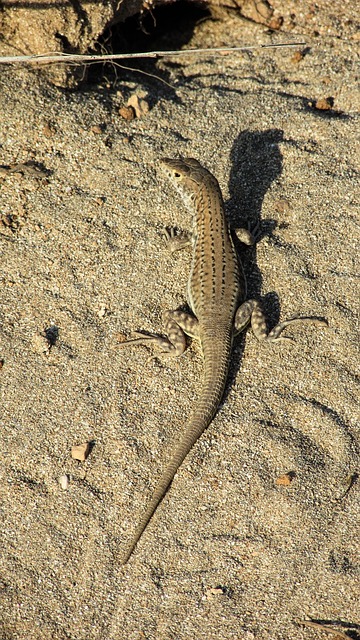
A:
(323, 627)
(50, 58)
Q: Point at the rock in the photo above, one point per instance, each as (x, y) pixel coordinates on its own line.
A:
(324, 104)
(127, 113)
(40, 344)
(139, 105)
(80, 451)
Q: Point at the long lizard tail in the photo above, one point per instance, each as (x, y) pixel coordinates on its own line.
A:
(215, 374)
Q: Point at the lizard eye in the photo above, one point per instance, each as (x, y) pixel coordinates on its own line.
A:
(177, 175)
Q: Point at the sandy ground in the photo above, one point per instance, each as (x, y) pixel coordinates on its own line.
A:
(230, 554)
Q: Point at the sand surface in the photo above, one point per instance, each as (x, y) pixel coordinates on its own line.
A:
(230, 554)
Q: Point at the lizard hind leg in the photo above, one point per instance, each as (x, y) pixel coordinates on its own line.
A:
(177, 324)
(251, 311)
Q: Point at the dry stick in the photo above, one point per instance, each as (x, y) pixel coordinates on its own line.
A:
(323, 627)
(49, 58)
(350, 483)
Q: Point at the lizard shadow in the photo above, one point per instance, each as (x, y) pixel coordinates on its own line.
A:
(256, 161)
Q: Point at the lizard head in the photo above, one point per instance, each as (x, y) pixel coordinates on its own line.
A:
(187, 175)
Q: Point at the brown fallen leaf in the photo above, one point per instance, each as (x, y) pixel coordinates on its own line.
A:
(286, 479)
(298, 55)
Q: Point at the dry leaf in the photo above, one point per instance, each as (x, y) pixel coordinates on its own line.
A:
(286, 479)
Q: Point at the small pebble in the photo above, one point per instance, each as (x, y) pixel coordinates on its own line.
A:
(298, 55)
(40, 343)
(276, 23)
(48, 131)
(140, 106)
(96, 129)
(127, 113)
(282, 205)
(64, 481)
(101, 310)
(324, 104)
(80, 451)
(215, 591)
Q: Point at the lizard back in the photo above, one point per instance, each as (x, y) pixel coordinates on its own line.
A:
(216, 282)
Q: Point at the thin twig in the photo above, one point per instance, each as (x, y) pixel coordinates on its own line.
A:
(50, 58)
(323, 627)
(350, 483)
(145, 73)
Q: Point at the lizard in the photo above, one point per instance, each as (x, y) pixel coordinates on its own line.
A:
(216, 295)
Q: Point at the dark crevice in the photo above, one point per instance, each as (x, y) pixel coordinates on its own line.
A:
(163, 28)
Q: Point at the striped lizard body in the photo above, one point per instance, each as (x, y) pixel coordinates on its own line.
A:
(216, 295)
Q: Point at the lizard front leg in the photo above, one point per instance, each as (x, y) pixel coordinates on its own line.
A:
(177, 240)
